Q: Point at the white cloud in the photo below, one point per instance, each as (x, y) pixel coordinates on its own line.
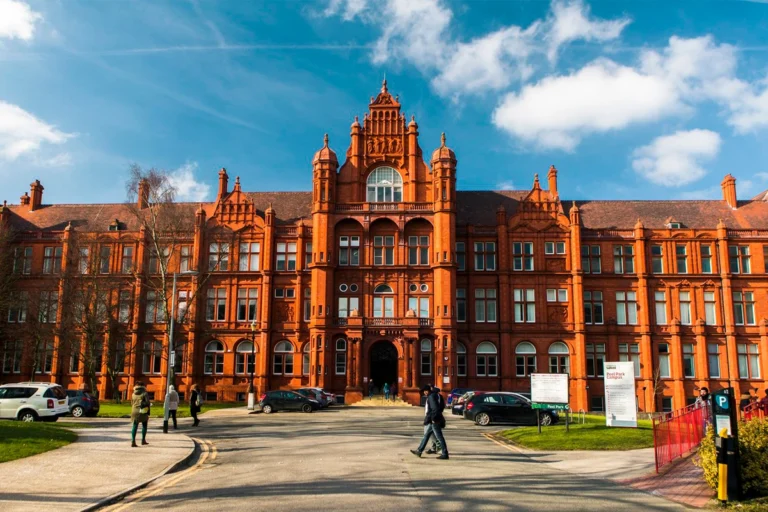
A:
(187, 187)
(505, 185)
(675, 160)
(570, 21)
(22, 133)
(348, 8)
(17, 20)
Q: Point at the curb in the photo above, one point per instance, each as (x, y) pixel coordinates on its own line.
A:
(125, 492)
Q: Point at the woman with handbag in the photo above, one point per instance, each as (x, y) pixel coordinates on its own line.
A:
(195, 403)
(139, 412)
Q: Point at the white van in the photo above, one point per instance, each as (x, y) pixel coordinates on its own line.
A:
(33, 401)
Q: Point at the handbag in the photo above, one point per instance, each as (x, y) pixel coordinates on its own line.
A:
(144, 407)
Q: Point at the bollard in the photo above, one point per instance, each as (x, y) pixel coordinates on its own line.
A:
(722, 466)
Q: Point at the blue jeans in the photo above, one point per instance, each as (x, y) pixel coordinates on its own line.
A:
(386, 395)
(433, 429)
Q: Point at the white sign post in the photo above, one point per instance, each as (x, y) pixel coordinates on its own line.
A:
(620, 398)
(550, 390)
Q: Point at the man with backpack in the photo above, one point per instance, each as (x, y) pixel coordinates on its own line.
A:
(433, 420)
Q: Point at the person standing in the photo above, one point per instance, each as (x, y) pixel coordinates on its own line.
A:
(434, 420)
(195, 404)
(703, 399)
(386, 391)
(173, 404)
(764, 403)
(139, 412)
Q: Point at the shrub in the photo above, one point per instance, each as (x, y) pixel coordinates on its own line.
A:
(753, 452)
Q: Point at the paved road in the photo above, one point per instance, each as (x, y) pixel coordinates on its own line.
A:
(357, 459)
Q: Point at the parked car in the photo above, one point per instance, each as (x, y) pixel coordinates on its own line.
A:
(330, 397)
(459, 403)
(455, 394)
(33, 401)
(503, 407)
(82, 403)
(315, 394)
(272, 401)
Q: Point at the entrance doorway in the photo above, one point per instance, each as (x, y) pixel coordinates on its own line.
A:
(383, 365)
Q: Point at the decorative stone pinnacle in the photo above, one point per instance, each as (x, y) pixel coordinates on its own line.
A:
(325, 141)
(442, 140)
(384, 84)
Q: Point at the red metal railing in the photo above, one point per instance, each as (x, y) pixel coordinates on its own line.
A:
(677, 433)
(754, 411)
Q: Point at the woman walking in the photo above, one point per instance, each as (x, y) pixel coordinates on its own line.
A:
(195, 404)
(173, 404)
(139, 412)
(386, 391)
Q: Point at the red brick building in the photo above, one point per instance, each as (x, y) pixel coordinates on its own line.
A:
(386, 272)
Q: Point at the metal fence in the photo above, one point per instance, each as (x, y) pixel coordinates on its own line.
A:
(678, 432)
(753, 411)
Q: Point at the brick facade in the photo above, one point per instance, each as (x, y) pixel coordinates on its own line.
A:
(469, 289)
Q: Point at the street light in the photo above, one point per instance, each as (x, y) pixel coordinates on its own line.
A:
(251, 386)
(166, 410)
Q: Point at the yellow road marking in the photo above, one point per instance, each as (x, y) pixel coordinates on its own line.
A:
(503, 445)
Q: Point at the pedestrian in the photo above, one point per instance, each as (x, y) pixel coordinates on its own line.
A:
(433, 418)
(173, 404)
(764, 403)
(195, 404)
(703, 400)
(386, 391)
(394, 391)
(139, 412)
(370, 388)
(435, 443)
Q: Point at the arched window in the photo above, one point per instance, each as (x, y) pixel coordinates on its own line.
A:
(282, 359)
(525, 359)
(383, 307)
(385, 185)
(426, 357)
(245, 357)
(487, 362)
(305, 360)
(341, 356)
(383, 288)
(461, 360)
(559, 360)
(214, 358)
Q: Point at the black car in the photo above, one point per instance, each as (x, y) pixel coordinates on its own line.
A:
(458, 405)
(487, 408)
(82, 403)
(272, 401)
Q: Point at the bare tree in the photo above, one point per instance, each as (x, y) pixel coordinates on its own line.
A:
(7, 276)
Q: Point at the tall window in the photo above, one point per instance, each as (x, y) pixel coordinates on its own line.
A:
(461, 304)
(17, 310)
(22, 260)
(83, 260)
(185, 258)
(590, 259)
(626, 308)
(218, 257)
(282, 359)
(461, 256)
(216, 305)
(487, 360)
(121, 352)
(247, 304)
(307, 304)
(461, 360)
(127, 263)
(744, 308)
(593, 307)
(559, 360)
(624, 259)
(485, 305)
(250, 254)
(685, 308)
(420, 305)
(418, 250)
(522, 256)
(349, 250)
(765, 259)
(214, 358)
(245, 358)
(349, 304)
(710, 310)
(104, 259)
(595, 359)
(426, 357)
(738, 259)
(48, 307)
(383, 250)
(45, 362)
(12, 357)
(152, 357)
(307, 255)
(706, 258)
(182, 305)
(631, 352)
(74, 357)
(383, 306)
(159, 261)
(749, 360)
(155, 312)
(657, 259)
(689, 363)
(52, 260)
(485, 255)
(305, 360)
(557, 295)
(341, 356)
(660, 300)
(713, 358)
(286, 256)
(525, 359)
(525, 305)
(124, 307)
(554, 248)
(681, 254)
(663, 367)
(384, 185)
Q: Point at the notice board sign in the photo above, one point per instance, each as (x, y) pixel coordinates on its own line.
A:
(620, 398)
(549, 388)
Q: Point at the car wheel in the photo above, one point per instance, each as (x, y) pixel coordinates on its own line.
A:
(483, 419)
(27, 416)
(77, 411)
(546, 420)
(306, 408)
(267, 409)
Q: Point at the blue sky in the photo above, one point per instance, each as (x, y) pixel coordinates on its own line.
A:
(629, 99)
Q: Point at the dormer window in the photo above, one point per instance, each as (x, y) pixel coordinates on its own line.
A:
(385, 185)
(674, 225)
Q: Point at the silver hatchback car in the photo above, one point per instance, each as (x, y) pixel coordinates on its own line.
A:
(33, 401)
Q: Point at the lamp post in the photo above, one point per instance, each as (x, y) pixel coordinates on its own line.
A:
(169, 374)
(251, 386)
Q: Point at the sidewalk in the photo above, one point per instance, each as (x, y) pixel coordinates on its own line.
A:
(99, 464)
(682, 482)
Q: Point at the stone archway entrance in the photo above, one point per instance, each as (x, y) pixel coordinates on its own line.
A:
(383, 362)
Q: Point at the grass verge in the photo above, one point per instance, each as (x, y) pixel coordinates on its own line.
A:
(591, 435)
(123, 409)
(19, 440)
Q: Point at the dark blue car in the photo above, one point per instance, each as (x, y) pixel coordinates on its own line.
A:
(456, 393)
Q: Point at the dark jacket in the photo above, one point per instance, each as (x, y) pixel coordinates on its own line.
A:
(193, 401)
(435, 406)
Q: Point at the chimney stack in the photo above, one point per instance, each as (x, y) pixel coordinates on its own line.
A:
(36, 195)
(223, 183)
(729, 191)
(143, 199)
(552, 178)
(24, 200)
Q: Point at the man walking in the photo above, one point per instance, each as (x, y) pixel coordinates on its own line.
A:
(173, 404)
(434, 421)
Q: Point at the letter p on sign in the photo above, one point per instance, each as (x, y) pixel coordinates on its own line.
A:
(722, 402)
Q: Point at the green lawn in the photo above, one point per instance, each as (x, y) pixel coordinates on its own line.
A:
(19, 440)
(592, 435)
(123, 410)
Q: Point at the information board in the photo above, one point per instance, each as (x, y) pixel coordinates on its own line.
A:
(549, 388)
(620, 398)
